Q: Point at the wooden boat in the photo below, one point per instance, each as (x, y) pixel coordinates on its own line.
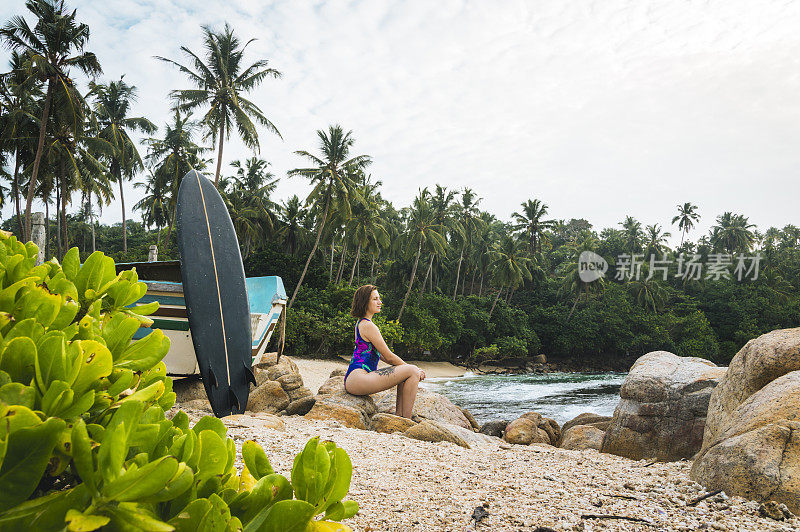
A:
(266, 296)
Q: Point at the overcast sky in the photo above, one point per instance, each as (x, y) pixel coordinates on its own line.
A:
(600, 109)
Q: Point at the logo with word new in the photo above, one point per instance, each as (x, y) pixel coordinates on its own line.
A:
(591, 266)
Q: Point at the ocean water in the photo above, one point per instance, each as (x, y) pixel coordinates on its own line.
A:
(560, 396)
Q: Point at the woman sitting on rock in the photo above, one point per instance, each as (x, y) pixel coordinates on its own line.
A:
(363, 376)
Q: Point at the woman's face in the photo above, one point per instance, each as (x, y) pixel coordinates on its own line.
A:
(375, 303)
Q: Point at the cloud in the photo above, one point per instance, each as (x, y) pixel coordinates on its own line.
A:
(598, 108)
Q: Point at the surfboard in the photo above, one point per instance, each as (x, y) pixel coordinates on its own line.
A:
(215, 293)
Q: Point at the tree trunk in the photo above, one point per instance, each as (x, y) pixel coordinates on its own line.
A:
(118, 171)
(46, 230)
(58, 219)
(495, 302)
(480, 290)
(341, 260)
(372, 270)
(313, 250)
(427, 274)
(411, 280)
(510, 295)
(353, 271)
(573, 307)
(221, 142)
(64, 207)
(472, 281)
(458, 273)
(15, 185)
(26, 234)
(330, 269)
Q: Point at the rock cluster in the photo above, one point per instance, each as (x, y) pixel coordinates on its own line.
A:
(662, 410)
(530, 428)
(278, 390)
(751, 445)
(434, 418)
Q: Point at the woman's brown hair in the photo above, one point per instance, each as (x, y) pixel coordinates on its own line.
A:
(361, 300)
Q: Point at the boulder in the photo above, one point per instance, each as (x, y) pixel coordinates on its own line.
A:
(389, 423)
(298, 393)
(579, 437)
(300, 406)
(756, 452)
(363, 403)
(495, 428)
(540, 359)
(290, 381)
(255, 420)
(541, 436)
(536, 417)
(188, 389)
(332, 385)
(268, 397)
(338, 372)
(346, 415)
(284, 367)
(662, 408)
(521, 431)
(758, 363)
(428, 405)
(587, 418)
(550, 426)
(471, 419)
(434, 431)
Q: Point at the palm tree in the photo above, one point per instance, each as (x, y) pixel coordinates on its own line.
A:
(18, 99)
(421, 229)
(172, 156)
(53, 46)
(331, 176)
(221, 82)
(686, 218)
(733, 233)
(111, 106)
(572, 285)
(510, 268)
(531, 223)
(632, 234)
(365, 227)
(154, 204)
(648, 293)
(468, 224)
(291, 228)
(656, 239)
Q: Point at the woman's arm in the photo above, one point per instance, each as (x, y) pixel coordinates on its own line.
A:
(370, 332)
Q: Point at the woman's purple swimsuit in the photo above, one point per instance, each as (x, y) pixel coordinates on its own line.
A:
(364, 355)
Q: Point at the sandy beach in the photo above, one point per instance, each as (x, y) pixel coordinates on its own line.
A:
(403, 484)
(316, 371)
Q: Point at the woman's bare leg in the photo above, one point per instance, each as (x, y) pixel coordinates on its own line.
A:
(410, 387)
(359, 382)
(398, 404)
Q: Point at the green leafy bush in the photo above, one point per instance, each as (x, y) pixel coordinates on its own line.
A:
(84, 440)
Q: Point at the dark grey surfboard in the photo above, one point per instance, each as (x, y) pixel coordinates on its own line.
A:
(216, 294)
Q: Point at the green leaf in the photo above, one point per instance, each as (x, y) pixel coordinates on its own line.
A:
(79, 406)
(114, 445)
(28, 328)
(180, 482)
(267, 491)
(18, 359)
(283, 516)
(211, 423)
(57, 398)
(181, 420)
(147, 394)
(256, 460)
(80, 522)
(71, 264)
(118, 333)
(145, 353)
(350, 509)
(335, 512)
(82, 455)
(45, 513)
(316, 466)
(17, 417)
(121, 379)
(25, 461)
(15, 393)
(51, 363)
(213, 454)
(129, 516)
(136, 484)
(338, 482)
(95, 363)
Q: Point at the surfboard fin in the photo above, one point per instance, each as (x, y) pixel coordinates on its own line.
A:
(251, 378)
(212, 379)
(235, 400)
